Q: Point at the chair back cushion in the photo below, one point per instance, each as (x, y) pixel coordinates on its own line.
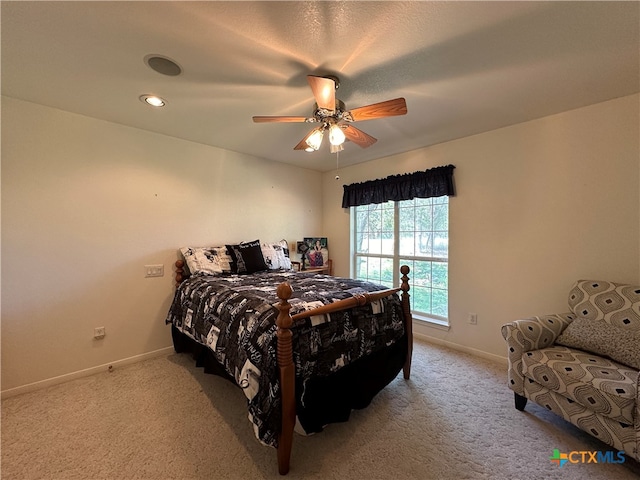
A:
(615, 303)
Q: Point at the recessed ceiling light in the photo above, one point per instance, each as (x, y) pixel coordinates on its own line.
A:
(153, 100)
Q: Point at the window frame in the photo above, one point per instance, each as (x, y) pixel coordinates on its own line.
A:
(397, 259)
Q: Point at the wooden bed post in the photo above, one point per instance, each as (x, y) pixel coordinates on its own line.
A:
(179, 272)
(408, 320)
(287, 378)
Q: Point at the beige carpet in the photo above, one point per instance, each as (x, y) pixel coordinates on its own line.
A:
(453, 420)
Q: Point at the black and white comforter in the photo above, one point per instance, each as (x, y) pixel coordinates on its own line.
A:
(234, 316)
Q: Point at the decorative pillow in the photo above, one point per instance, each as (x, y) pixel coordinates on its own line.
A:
(210, 260)
(223, 258)
(597, 336)
(273, 256)
(286, 260)
(247, 257)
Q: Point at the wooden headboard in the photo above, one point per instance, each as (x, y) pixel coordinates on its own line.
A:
(182, 272)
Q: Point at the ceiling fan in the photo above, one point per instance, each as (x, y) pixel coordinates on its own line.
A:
(332, 116)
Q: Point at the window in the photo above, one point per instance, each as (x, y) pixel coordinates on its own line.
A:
(409, 232)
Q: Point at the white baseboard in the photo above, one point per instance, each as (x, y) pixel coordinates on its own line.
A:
(461, 348)
(11, 392)
(30, 387)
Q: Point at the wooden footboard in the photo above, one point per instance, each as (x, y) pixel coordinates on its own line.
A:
(284, 335)
(285, 351)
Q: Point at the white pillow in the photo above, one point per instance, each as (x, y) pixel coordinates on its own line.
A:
(276, 255)
(286, 263)
(211, 260)
(273, 256)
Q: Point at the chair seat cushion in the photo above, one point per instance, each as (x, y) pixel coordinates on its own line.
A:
(597, 383)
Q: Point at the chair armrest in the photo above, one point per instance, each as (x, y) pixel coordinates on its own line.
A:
(536, 332)
(530, 334)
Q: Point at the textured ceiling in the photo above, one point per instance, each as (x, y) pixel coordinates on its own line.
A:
(463, 67)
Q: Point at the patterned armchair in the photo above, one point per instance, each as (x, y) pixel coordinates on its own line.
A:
(584, 364)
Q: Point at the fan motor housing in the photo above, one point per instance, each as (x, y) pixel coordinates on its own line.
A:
(321, 114)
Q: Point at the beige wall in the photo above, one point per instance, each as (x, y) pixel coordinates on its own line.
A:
(87, 203)
(538, 205)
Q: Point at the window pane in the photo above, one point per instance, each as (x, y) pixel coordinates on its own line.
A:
(424, 218)
(387, 246)
(407, 246)
(424, 242)
(374, 220)
(423, 245)
(440, 275)
(361, 220)
(361, 267)
(440, 302)
(441, 245)
(386, 270)
(375, 243)
(407, 219)
(421, 299)
(441, 217)
(362, 243)
(422, 273)
(373, 269)
(387, 220)
(362, 229)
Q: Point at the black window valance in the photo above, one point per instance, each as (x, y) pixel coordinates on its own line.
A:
(434, 182)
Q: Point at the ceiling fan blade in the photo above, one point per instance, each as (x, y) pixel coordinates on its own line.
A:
(358, 136)
(260, 119)
(324, 91)
(390, 108)
(303, 143)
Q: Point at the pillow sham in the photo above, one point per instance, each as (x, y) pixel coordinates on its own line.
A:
(286, 261)
(273, 256)
(247, 257)
(210, 260)
(223, 258)
(620, 344)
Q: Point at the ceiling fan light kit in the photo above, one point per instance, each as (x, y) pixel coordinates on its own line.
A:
(333, 115)
(315, 139)
(336, 135)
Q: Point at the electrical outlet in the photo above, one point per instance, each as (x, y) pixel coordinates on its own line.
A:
(98, 333)
(154, 270)
(473, 319)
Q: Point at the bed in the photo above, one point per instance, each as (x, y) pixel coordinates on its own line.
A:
(306, 348)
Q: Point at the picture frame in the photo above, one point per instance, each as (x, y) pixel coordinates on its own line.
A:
(317, 252)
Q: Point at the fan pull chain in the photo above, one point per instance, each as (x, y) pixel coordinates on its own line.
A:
(337, 165)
